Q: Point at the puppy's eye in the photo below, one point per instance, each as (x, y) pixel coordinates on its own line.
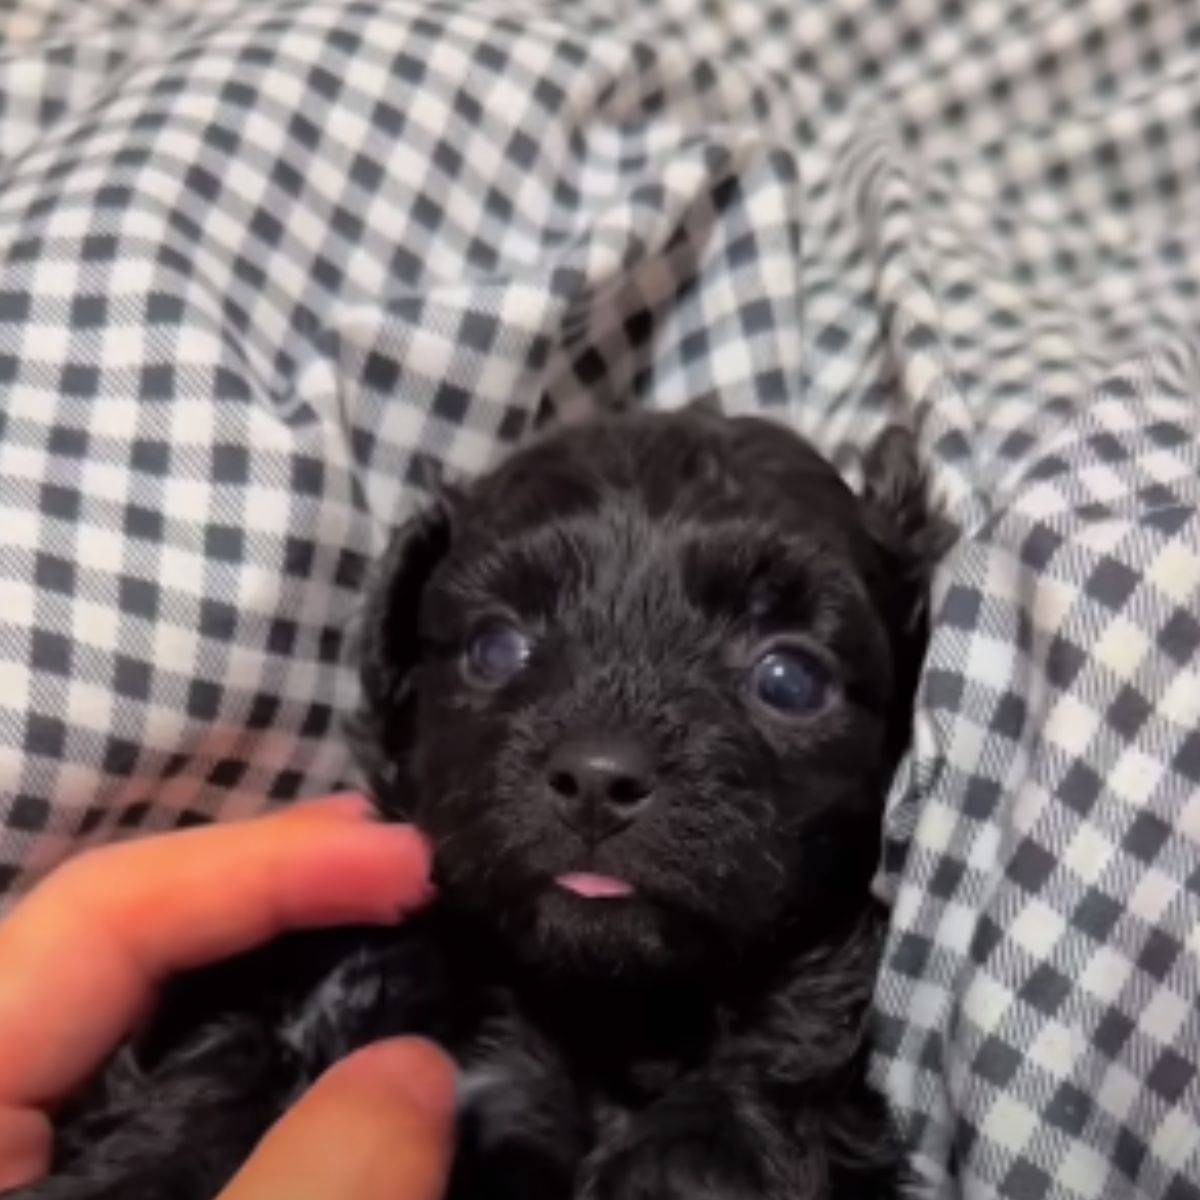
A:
(495, 653)
(789, 682)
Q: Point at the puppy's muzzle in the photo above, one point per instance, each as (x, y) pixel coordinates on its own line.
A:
(601, 784)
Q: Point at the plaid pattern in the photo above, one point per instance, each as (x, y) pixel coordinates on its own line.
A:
(264, 266)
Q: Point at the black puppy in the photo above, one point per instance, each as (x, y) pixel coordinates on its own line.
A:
(644, 687)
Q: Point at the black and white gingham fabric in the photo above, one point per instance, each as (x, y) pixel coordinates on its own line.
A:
(266, 265)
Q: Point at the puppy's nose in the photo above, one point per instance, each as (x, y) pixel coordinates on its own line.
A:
(603, 782)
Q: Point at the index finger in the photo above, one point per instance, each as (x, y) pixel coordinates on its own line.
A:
(81, 955)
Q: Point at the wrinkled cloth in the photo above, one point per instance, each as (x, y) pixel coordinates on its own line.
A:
(267, 269)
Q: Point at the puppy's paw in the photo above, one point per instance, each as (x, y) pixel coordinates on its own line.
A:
(692, 1145)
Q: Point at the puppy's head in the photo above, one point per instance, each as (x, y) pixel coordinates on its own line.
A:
(644, 685)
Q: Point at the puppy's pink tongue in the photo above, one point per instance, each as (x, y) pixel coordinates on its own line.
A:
(594, 887)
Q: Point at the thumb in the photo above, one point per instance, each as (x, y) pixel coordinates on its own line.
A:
(379, 1125)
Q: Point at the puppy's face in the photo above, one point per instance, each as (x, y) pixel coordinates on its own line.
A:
(643, 687)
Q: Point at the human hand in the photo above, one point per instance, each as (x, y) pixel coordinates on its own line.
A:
(81, 957)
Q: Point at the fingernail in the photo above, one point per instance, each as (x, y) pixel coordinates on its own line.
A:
(341, 805)
(414, 902)
(423, 1073)
(361, 803)
(430, 1093)
(373, 809)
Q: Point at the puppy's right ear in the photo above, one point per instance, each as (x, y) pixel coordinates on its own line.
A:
(389, 646)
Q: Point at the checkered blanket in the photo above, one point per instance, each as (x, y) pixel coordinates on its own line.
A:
(264, 264)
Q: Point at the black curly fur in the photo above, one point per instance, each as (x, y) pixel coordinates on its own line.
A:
(702, 1041)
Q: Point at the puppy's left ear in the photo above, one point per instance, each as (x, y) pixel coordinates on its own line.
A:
(389, 647)
(911, 535)
(909, 530)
